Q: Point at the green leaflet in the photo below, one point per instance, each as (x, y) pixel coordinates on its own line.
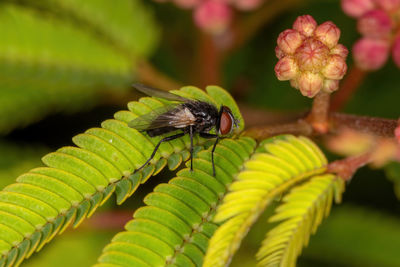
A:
(175, 226)
(77, 180)
(303, 210)
(65, 55)
(279, 163)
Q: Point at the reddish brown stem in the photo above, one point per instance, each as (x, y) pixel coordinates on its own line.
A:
(318, 117)
(208, 62)
(371, 125)
(110, 220)
(353, 80)
(376, 126)
(346, 168)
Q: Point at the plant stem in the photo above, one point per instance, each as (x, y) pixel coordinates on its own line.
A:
(372, 125)
(346, 168)
(348, 88)
(318, 117)
(380, 127)
(208, 61)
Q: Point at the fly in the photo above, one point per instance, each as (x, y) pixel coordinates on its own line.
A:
(188, 116)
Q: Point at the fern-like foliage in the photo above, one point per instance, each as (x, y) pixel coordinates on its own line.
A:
(303, 210)
(61, 55)
(175, 226)
(279, 164)
(76, 180)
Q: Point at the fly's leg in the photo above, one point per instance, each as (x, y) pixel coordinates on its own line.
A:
(209, 136)
(165, 139)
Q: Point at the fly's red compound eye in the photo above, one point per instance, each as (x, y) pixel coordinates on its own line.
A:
(225, 123)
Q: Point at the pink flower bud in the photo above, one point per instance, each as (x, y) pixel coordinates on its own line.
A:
(388, 5)
(340, 50)
(305, 25)
(356, 8)
(289, 41)
(397, 133)
(330, 85)
(311, 55)
(294, 83)
(213, 16)
(310, 83)
(328, 33)
(375, 23)
(370, 54)
(186, 4)
(279, 53)
(396, 51)
(247, 4)
(286, 69)
(335, 69)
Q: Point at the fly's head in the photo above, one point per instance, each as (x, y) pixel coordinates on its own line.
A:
(226, 121)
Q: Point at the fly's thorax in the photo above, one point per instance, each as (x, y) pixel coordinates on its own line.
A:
(206, 115)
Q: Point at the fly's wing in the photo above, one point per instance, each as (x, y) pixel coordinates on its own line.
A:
(167, 116)
(158, 93)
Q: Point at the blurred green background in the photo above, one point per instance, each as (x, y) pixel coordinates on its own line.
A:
(67, 65)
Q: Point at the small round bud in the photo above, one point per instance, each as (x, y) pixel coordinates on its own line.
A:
(330, 85)
(286, 69)
(328, 33)
(335, 69)
(305, 25)
(310, 83)
(396, 51)
(213, 16)
(356, 8)
(375, 23)
(370, 54)
(312, 55)
(397, 134)
(340, 50)
(247, 5)
(289, 41)
(294, 84)
(279, 53)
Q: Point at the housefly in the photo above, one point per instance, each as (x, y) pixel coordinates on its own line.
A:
(187, 116)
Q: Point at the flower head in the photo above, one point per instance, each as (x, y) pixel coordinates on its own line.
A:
(310, 56)
(378, 23)
(213, 16)
(370, 54)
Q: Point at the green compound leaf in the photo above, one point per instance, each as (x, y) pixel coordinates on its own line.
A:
(303, 211)
(279, 163)
(77, 180)
(65, 55)
(175, 226)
